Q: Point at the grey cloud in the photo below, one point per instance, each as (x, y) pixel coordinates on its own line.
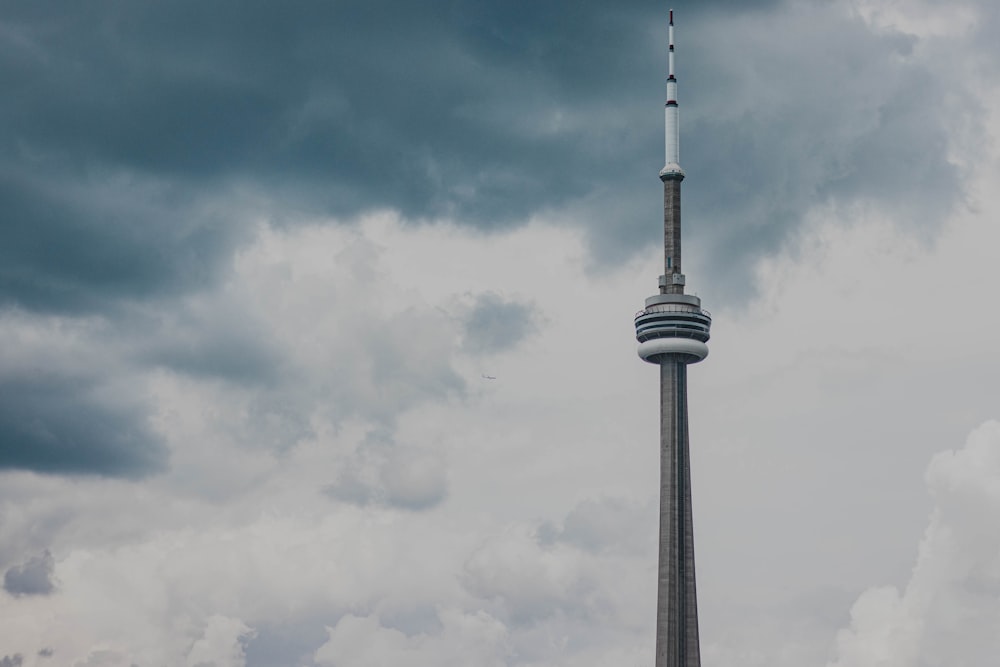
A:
(409, 360)
(215, 340)
(290, 642)
(385, 366)
(33, 577)
(418, 619)
(352, 485)
(376, 365)
(413, 480)
(68, 384)
(493, 323)
(384, 472)
(527, 580)
(604, 525)
(15, 660)
(219, 355)
(809, 107)
(53, 424)
(278, 419)
(555, 573)
(372, 367)
(105, 658)
(295, 639)
(46, 653)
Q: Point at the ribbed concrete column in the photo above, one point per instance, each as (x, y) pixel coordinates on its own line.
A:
(672, 232)
(677, 601)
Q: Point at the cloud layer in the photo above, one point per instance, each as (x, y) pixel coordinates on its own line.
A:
(316, 346)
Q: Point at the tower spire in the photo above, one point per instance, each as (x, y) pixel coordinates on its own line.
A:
(672, 281)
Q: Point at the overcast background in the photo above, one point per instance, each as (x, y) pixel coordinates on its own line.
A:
(257, 258)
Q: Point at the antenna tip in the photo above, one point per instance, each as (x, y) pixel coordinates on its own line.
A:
(671, 17)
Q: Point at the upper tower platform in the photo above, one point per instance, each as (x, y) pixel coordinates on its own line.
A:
(673, 326)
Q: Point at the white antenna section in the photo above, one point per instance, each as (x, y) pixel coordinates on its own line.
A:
(672, 163)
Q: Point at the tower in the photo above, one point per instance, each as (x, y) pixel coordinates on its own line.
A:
(672, 331)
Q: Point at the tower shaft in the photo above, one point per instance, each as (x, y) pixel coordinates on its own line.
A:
(677, 642)
(673, 276)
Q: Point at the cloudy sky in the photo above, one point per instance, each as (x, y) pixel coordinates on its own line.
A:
(257, 258)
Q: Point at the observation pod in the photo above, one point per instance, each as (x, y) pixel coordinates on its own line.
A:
(673, 324)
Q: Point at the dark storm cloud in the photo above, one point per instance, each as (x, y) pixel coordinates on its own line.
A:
(493, 323)
(53, 424)
(809, 107)
(31, 578)
(131, 130)
(80, 241)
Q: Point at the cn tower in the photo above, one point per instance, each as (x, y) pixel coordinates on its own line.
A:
(672, 331)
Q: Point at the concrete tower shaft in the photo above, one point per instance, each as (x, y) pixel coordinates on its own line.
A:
(672, 331)
(677, 642)
(673, 278)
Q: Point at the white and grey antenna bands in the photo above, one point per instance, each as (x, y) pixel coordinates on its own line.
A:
(672, 163)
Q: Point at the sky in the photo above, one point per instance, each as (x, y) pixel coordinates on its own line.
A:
(316, 341)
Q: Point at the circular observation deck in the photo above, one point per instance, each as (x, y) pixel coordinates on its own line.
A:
(673, 325)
